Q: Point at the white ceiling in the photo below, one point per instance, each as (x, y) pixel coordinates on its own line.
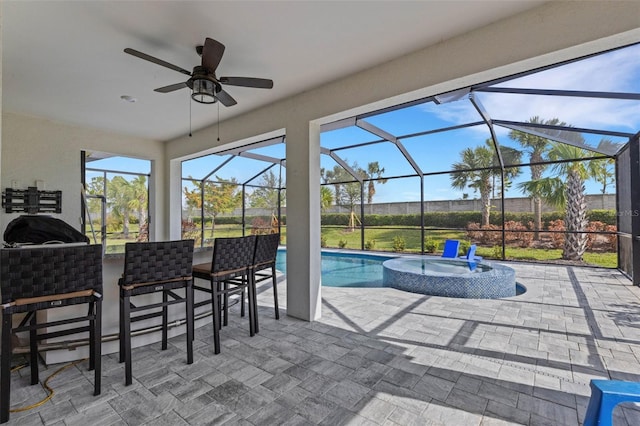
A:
(64, 60)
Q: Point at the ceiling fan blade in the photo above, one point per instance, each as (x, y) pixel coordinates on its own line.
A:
(225, 98)
(171, 87)
(260, 83)
(156, 61)
(212, 52)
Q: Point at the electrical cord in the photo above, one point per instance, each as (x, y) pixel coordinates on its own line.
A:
(45, 385)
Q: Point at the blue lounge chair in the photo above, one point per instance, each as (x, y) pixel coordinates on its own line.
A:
(451, 248)
(471, 254)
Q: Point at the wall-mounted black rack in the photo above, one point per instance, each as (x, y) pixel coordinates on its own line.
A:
(31, 201)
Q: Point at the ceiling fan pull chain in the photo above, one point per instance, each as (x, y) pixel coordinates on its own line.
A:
(189, 116)
(218, 121)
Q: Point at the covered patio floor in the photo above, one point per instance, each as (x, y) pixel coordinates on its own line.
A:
(378, 356)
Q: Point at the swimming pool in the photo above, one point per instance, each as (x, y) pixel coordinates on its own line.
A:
(340, 269)
(345, 269)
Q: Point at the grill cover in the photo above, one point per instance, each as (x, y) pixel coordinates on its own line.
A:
(41, 229)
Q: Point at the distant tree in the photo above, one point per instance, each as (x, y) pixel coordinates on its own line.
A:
(266, 196)
(219, 197)
(95, 187)
(604, 170)
(119, 196)
(536, 147)
(139, 201)
(347, 192)
(477, 168)
(374, 172)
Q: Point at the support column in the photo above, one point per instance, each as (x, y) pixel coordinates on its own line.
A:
(634, 181)
(303, 221)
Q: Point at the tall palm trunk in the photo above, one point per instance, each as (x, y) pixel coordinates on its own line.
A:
(125, 224)
(576, 218)
(485, 199)
(536, 174)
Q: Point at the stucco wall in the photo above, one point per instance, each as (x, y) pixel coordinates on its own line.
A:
(38, 149)
(516, 205)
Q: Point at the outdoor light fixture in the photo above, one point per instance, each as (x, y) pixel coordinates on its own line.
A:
(204, 91)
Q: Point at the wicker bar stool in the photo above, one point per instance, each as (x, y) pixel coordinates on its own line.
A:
(152, 267)
(264, 264)
(33, 279)
(232, 258)
(263, 267)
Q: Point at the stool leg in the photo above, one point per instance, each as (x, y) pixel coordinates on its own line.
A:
(252, 305)
(5, 373)
(226, 305)
(97, 348)
(33, 348)
(92, 336)
(189, 302)
(242, 297)
(275, 290)
(252, 286)
(165, 319)
(215, 305)
(126, 311)
(121, 329)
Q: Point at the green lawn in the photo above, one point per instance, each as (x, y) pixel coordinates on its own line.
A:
(383, 240)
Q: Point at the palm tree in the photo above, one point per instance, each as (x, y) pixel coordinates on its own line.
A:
(374, 172)
(566, 190)
(326, 197)
(478, 168)
(119, 194)
(535, 146)
(604, 169)
(139, 203)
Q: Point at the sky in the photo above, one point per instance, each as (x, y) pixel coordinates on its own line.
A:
(615, 71)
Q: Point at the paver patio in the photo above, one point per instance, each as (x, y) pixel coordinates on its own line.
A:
(378, 356)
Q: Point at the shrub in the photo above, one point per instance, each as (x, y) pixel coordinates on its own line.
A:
(611, 240)
(485, 235)
(517, 234)
(558, 236)
(323, 241)
(430, 245)
(342, 243)
(370, 244)
(190, 231)
(607, 217)
(398, 243)
(259, 226)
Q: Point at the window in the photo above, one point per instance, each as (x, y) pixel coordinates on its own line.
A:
(116, 200)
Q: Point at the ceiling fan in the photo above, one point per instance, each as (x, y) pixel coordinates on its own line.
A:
(206, 86)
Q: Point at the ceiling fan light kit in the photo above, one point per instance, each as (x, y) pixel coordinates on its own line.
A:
(204, 91)
(205, 85)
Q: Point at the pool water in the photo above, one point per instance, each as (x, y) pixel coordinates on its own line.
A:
(439, 266)
(345, 270)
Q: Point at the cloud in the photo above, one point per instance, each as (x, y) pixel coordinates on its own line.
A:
(616, 71)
